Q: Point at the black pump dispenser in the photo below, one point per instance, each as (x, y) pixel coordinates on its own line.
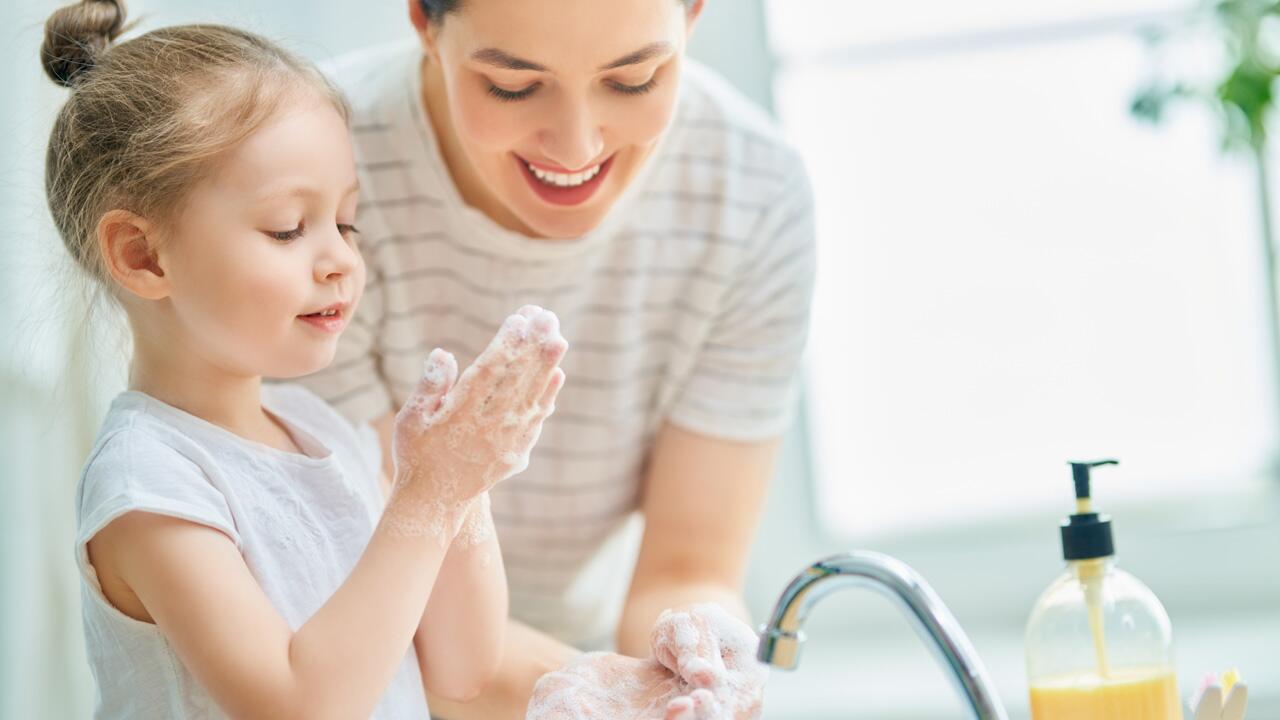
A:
(1086, 535)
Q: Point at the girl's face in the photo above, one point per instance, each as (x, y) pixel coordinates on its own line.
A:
(556, 104)
(264, 272)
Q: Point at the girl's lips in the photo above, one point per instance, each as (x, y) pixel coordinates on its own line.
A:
(330, 323)
(557, 195)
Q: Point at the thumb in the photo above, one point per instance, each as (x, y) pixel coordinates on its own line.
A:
(439, 373)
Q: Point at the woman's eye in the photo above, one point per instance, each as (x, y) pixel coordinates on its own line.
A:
(286, 235)
(347, 229)
(511, 95)
(634, 89)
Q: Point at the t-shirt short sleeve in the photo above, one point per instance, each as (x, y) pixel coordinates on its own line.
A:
(743, 384)
(136, 471)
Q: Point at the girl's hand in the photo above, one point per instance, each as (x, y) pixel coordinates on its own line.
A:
(456, 437)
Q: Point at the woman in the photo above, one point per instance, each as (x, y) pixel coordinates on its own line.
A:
(566, 153)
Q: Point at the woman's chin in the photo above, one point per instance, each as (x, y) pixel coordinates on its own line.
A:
(561, 223)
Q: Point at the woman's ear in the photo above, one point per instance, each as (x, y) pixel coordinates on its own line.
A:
(128, 243)
(693, 13)
(424, 27)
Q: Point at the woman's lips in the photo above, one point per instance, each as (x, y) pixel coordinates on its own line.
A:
(581, 187)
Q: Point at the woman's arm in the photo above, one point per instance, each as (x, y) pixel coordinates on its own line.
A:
(527, 655)
(702, 501)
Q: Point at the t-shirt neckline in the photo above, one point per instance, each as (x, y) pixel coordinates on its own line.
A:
(314, 452)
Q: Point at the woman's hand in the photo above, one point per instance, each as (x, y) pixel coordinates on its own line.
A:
(605, 686)
(456, 437)
(704, 668)
(710, 649)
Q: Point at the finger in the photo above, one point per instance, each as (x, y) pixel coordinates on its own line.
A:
(544, 330)
(698, 671)
(681, 708)
(540, 355)
(683, 641)
(509, 338)
(506, 356)
(475, 385)
(528, 311)
(679, 635)
(734, 639)
(552, 389)
(439, 373)
(548, 364)
(705, 705)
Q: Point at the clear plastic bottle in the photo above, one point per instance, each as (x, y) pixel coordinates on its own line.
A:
(1099, 644)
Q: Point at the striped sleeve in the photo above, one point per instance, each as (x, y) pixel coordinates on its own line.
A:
(354, 383)
(743, 384)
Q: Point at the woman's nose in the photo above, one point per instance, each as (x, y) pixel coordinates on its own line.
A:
(572, 138)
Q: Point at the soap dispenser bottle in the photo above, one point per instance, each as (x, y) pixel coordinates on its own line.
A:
(1099, 644)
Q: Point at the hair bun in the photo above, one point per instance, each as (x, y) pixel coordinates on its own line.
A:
(75, 35)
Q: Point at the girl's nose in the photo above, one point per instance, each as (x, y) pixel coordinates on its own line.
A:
(338, 258)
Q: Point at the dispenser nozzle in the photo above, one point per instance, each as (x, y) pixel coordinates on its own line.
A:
(1080, 472)
(1086, 534)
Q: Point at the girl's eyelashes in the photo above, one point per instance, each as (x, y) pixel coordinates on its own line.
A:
(287, 235)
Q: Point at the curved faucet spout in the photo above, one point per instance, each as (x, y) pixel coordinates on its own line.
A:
(780, 640)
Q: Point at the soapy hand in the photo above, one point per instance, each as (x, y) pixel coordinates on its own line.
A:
(606, 686)
(704, 668)
(456, 437)
(712, 650)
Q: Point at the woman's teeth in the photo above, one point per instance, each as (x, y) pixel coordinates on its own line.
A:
(563, 180)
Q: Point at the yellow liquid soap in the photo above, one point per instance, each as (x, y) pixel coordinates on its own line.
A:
(1129, 694)
(1126, 694)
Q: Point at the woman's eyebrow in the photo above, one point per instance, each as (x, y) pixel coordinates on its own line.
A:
(507, 61)
(648, 51)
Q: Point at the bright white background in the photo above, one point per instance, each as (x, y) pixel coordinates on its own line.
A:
(1014, 272)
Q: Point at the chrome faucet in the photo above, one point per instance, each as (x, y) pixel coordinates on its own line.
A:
(780, 640)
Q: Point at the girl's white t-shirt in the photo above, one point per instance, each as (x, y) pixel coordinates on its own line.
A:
(301, 521)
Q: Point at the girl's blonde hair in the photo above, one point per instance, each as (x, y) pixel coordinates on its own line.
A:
(148, 118)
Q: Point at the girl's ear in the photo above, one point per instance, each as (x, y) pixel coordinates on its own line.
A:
(129, 248)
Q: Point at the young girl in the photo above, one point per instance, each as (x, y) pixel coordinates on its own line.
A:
(239, 555)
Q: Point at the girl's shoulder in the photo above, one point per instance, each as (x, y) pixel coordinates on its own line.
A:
(143, 461)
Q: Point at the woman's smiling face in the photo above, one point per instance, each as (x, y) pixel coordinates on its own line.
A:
(554, 105)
